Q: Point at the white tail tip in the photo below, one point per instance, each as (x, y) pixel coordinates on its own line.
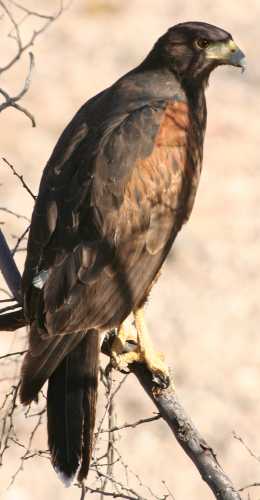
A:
(66, 480)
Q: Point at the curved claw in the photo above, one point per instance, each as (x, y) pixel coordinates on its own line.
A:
(162, 381)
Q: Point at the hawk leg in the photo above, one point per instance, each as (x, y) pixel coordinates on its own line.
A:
(144, 353)
(154, 360)
(120, 359)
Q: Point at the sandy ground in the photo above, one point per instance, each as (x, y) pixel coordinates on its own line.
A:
(204, 311)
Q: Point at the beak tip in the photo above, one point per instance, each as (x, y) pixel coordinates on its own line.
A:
(243, 64)
(238, 59)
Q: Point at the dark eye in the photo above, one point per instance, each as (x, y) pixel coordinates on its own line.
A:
(202, 43)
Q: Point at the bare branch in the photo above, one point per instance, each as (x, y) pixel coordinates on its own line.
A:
(7, 422)
(9, 269)
(170, 495)
(22, 47)
(111, 438)
(251, 452)
(252, 485)
(109, 401)
(20, 177)
(13, 101)
(32, 12)
(26, 84)
(18, 353)
(187, 436)
(19, 240)
(112, 494)
(15, 214)
(14, 24)
(133, 425)
(28, 451)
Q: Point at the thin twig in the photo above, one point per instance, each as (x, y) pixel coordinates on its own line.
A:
(110, 442)
(18, 353)
(19, 240)
(169, 493)
(110, 399)
(28, 453)
(118, 484)
(20, 177)
(11, 212)
(133, 425)
(251, 452)
(252, 485)
(112, 494)
(21, 48)
(14, 24)
(13, 101)
(32, 12)
(129, 471)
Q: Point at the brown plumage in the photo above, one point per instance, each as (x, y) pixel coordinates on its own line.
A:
(119, 184)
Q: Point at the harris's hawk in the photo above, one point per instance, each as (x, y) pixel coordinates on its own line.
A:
(116, 190)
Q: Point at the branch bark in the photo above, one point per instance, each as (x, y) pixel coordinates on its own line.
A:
(166, 401)
(194, 445)
(9, 269)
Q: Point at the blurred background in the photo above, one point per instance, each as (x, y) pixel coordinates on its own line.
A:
(204, 311)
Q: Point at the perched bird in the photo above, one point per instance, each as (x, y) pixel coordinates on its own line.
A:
(116, 190)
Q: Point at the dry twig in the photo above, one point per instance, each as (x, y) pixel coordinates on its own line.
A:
(252, 485)
(250, 451)
(20, 177)
(12, 102)
(15, 214)
(22, 47)
(133, 425)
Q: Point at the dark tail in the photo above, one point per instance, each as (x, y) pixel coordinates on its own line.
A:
(71, 409)
(70, 362)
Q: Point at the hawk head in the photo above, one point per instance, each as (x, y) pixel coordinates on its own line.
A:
(193, 49)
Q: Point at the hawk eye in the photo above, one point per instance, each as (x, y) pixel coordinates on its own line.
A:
(202, 43)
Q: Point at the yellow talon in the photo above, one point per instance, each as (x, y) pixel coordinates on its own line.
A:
(144, 353)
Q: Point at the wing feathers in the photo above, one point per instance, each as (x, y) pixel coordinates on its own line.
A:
(41, 360)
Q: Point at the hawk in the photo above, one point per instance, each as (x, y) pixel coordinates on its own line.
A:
(118, 187)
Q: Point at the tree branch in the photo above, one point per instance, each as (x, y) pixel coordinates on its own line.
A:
(9, 269)
(202, 455)
(165, 400)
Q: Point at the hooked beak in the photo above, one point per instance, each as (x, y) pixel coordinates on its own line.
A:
(227, 53)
